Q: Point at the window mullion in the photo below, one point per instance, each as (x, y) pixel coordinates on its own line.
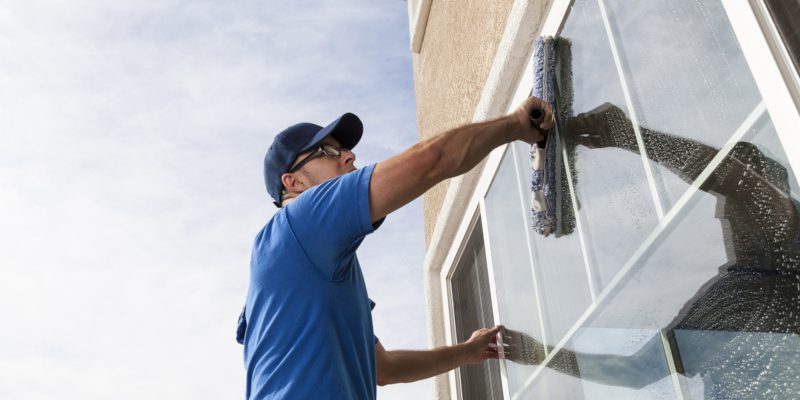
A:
(631, 112)
(487, 246)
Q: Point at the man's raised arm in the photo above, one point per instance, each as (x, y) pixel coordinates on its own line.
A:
(400, 179)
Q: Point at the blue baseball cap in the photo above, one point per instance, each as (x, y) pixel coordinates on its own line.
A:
(300, 138)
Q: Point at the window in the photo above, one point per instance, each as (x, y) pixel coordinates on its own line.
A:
(681, 278)
(675, 215)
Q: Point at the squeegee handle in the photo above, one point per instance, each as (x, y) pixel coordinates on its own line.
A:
(536, 116)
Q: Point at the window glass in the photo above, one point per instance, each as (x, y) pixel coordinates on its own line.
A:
(767, 141)
(724, 283)
(593, 374)
(703, 302)
(513, 275)
(717, 295)
(686, 75)
(554, 384)
(472, 309)
(614, 201)
(563, 281)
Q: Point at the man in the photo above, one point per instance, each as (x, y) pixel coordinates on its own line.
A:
(308, 331)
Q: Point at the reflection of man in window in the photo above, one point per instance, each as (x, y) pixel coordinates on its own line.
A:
(740, 332)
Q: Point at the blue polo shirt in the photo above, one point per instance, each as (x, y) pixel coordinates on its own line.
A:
(309, 324)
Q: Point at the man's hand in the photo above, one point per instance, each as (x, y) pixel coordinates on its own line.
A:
(482, 345)
(528, 132)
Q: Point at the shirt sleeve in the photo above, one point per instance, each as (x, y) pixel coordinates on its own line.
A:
(330, 220)
(372, 307)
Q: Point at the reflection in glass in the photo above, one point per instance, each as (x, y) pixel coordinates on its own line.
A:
(616, 209)
(723, 283)
(686, 73)
(764, 365)
(710, 308)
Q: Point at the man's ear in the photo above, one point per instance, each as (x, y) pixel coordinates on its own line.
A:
(293, 183)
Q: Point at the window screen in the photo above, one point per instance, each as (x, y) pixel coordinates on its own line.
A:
(472, 309)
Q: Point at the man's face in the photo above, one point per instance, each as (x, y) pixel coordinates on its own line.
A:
(323, 167)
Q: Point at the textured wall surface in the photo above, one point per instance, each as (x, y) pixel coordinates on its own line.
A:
(459, 46)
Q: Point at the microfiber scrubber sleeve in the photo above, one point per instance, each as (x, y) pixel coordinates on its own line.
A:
(544, 154)
(552, 83)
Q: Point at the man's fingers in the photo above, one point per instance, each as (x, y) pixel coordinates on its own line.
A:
(488, 331)
(536, 132)
(547, 123)
(495, 330)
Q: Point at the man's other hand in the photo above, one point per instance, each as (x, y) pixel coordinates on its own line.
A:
(482, 345)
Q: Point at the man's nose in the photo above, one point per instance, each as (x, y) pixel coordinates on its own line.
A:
(347, 156)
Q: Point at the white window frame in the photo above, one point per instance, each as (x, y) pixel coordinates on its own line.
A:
(778, 85)
(418, 11)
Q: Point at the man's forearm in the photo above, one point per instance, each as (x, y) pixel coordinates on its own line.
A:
(402, 178)
(410, 365)
(460, 149)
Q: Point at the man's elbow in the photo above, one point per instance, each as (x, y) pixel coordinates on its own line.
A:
(391, 380)
(383, 371)
(384, 377)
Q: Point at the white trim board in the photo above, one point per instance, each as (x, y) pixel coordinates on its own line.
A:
(418, 12)
(490, 277)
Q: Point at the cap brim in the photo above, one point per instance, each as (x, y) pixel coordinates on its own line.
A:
(347, 130)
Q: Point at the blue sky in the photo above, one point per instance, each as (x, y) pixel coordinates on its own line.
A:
(131, 142)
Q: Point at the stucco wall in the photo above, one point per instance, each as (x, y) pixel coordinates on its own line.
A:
(460, 42)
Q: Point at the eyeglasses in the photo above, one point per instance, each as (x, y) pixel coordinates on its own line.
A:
(326, 149)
